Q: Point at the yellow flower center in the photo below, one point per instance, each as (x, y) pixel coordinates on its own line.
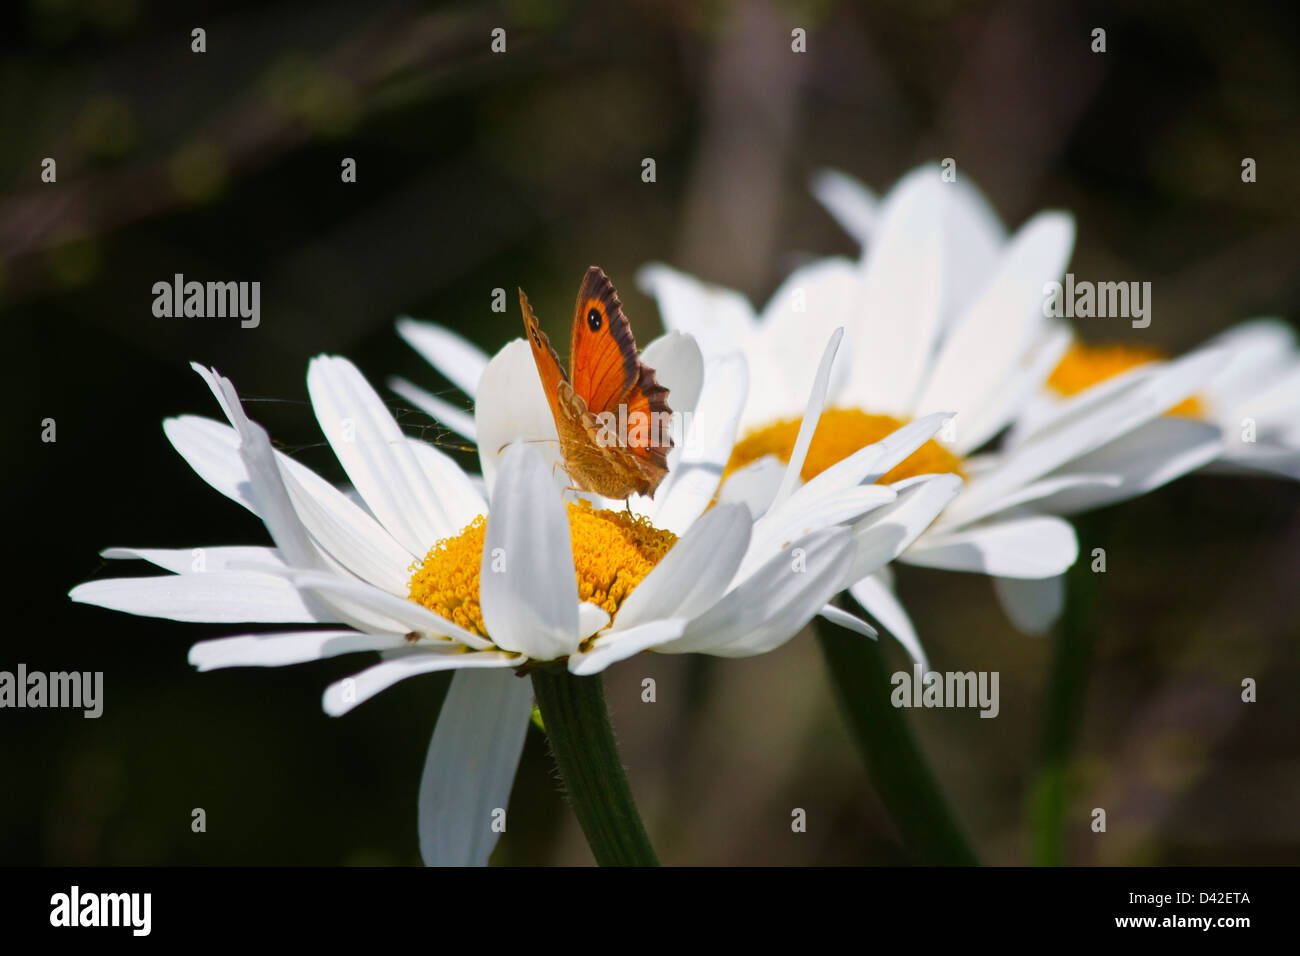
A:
(1086, 365)
(840, 432)
(612, 552)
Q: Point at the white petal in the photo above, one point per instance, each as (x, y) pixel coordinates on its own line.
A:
(202, 560)
(1275, 406)
(850, 622)
(898, 318)
(461, 500)
(1056, 413)
(620, 645)
(695, 572)
(1043, 494)
(1145, 459)
(876, 595)
(1029, 547)
(470, 768)
(267, 490)
(754, 485)
(776, 529)
(1240, 458)
(851, 203)
(991, 338)
(1260, 349)
(221, 597)
(679, 367)
(871, 462)
(271, 485)
(973, 238)
(693, 482)
(774, 603)
(396, 614)
(1150, 395)
(815, 302)
(1033, 604)
(344, 530)
(1041, 490)
(276, 650)
(591, 618)
(510, 405)
(457, 419)
(883, 535)
(719, 319)
(343, 695)
(375, 454)
(460, 361)
(527, 586)
(212, 450)
(812, 415)
(274, 491)
(1023, 383)
(335, 523)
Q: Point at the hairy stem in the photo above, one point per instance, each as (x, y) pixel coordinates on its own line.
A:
(582, 742)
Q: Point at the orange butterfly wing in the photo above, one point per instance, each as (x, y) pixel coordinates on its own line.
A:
(605, 376)
(548, 363)
(607, 373)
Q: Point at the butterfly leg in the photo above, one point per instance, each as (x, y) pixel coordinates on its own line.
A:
(566, 487)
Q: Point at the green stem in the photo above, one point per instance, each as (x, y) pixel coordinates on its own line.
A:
(1063, 704)
(894, 760)
(582, 742)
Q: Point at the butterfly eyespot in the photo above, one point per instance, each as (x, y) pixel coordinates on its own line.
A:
(593, 320)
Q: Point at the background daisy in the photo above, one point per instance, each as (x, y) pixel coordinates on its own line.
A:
(1254, 399)
(944, 311)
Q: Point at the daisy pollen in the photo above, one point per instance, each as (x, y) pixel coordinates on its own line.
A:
(1086, 365)
(613, 551)
(841, 432)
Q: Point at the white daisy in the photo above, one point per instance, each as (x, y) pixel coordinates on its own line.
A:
(697, 465)
(417, 573)
(1254, 400)
(944, 312)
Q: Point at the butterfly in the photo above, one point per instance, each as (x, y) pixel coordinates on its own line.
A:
(611, 415)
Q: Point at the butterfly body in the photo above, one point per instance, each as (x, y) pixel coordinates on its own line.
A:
(610, 413)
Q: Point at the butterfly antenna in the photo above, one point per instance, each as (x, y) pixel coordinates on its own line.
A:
(528, 441)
